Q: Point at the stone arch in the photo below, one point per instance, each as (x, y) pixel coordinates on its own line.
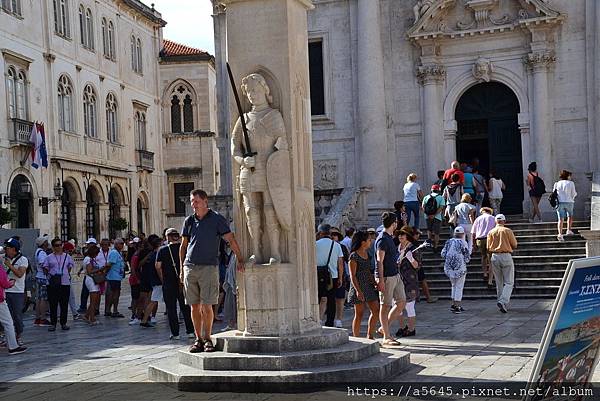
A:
(100, 190)
(142, 207)
(28, 175)
(466, 80)
(75, 188)
(21, 200)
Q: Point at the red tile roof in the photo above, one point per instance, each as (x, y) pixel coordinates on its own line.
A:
(171, 48)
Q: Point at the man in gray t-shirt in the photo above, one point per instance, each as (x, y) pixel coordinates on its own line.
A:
(199, 270)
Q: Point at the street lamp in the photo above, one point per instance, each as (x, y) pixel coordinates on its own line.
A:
(58, 191)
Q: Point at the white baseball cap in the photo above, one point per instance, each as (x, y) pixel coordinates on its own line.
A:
(500, 217)
(459, 230)
(136, 239)
(40, 240)
(91, 241)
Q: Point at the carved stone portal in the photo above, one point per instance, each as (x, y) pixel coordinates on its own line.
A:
(263, 177)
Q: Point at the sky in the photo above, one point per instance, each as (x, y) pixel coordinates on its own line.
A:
(188, 22)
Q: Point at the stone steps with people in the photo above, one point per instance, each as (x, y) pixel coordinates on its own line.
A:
(540, 262)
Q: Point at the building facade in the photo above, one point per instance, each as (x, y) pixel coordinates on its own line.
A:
(408, 86)
(189, 110)
(88, 71)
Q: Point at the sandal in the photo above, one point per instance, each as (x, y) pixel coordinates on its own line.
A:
(208, 346)
(197, 347)
(390, 342)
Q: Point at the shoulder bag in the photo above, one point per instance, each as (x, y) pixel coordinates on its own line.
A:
(56, 279)
(323, 273)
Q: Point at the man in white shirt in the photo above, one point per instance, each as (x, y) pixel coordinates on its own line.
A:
(565, 188)
(15, 296)
(330, 255)
(347, 241)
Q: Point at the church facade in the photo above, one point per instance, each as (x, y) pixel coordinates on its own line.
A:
(408, 86)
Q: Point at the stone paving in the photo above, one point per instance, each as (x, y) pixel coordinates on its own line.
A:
(480, 344)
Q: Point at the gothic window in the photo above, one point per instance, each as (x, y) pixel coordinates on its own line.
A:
(317, 82)
(182, 190)
(16, 85)
(175, 115)
(61, 18)
(90, 116)
(65, 104)
(140, 130)
(86, 28)
(138, 48)
(111, 41)
(136, 54)
(105, 38)
(111, 118)
(182, 110)
(12, 6)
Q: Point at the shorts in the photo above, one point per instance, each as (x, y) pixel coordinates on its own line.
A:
(157, 293)
(565, 209)
(90, 285)
(482, 245)
(201, 284)
(135, 291)
(114, 285)
(434, 225)
(42, 289)
(394, 291)
(420, 274)
(340, 293)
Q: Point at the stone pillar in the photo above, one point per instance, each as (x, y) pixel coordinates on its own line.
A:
(372, 127)
(223, 88)
(541, 118)
(270, 37)
(431, 77)
(450, 129)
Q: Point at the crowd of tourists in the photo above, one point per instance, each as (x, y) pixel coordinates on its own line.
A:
(193, 271)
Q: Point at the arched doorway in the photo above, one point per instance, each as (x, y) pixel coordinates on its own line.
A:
(68, 225)
(115, 201)
(21, 202)
(92, 212)
(142, 213)
(488, 130)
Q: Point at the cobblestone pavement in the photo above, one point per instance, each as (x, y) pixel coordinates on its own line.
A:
(480, 344)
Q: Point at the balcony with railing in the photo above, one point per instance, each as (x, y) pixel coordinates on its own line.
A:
(21, 131)
(144, 160)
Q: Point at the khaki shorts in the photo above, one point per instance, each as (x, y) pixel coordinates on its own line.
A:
(394, 291)
(201, 284)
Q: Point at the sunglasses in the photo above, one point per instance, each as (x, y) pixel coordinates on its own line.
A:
(57, 245)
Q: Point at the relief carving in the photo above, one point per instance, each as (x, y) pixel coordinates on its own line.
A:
(482, 70)
(325, 174)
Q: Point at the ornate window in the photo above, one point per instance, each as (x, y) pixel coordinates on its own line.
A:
(86, 27)
(133, 54)
(182, 109)
(105, 37)
(140, 130)
(111, 41)
(12, 6)
(61, 18)
(136, 55)
(138, 47)
(65, 105)
(111, 118)
(16, 86)
(89, 112)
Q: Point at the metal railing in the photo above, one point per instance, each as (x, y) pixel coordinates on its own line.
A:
(144, 160)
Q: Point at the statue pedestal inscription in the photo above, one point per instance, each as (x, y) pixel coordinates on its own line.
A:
(280, 345)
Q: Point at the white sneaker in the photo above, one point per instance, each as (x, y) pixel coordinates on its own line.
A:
(338, 324)
(135, 321)
(560, 238)
(570, 232)
(153, 320)
(172, 337)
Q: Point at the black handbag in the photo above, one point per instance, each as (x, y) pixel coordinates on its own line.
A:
(56, 279)
(323, 273)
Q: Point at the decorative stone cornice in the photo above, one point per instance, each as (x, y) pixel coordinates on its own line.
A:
(218, 7)
(540, 60)
(431, 73)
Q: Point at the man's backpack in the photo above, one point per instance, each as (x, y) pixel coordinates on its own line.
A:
(431, 206)
(553, 199)
(539, 187)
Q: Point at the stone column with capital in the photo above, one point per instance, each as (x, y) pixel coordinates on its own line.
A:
(372, 127)
(539, 62)
(432, 76)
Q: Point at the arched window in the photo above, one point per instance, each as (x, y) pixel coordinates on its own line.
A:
(16, 87)
(140, 130)
(133, 54)
(89, 23)
(175, 115)
(92, 212)
(89, 112)
(111, 40)
(65, 104)
(111, 118)
(139, 56)
(12, 92)
(182, 109)
(105, 49)
(61, 18)
(82, 27)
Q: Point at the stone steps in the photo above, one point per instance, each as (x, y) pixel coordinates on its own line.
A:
(540, 262)
(377, 368)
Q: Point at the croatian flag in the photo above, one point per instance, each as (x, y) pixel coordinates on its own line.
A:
(39, 154)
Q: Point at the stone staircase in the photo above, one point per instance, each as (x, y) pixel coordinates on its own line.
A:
(540, 262)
